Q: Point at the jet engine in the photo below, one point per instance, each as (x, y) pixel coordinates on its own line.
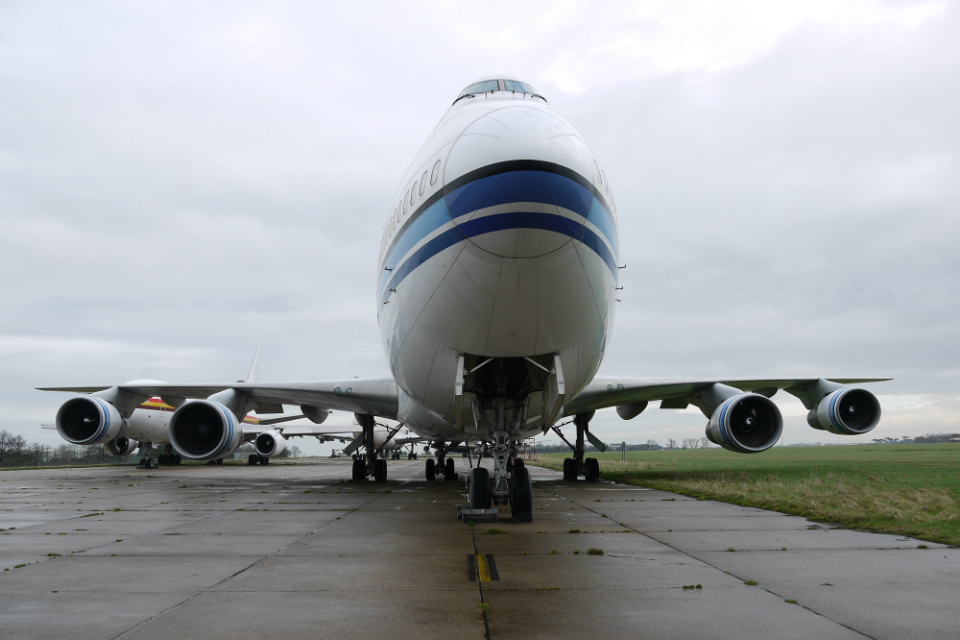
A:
(270, 444)
(747, 423)
(846, 412)
(121, 447)
(204, 430)
(89, 420)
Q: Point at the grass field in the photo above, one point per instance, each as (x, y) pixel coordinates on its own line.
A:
(912, 490)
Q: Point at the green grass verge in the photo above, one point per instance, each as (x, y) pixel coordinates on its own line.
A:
(911, 490)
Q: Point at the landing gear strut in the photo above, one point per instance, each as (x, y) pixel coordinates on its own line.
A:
(442, 464)
(589, 468)
(368, 464)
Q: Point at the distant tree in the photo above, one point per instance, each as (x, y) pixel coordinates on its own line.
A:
(295, 451)
(704, 442)
(39, 452)
(18, 447)
(4, 444)
(653, 444)
(671, 444)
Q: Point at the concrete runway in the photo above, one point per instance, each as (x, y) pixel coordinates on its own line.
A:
(296, 551)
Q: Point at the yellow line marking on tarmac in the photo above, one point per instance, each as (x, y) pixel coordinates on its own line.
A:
(483, 569)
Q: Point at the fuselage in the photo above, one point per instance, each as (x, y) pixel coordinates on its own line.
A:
(502, 243)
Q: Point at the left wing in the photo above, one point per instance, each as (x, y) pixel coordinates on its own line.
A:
(615, 392)
(741, 416)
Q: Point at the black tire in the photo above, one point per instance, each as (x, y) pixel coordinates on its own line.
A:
(178, 460)
(380, 470)
(450, 470)
(149, 464)
(143, 462)
(519, 464)
(431, 469)
(414, 455)
(359, 471)
(479, 488)
(162, 459)
(252, 458)
(570, 470)
(593, 470)
(521, 495)
(264, 460)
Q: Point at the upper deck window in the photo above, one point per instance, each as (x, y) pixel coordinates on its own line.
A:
(480, 87)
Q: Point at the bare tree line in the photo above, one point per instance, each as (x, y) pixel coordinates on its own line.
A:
(17, 451)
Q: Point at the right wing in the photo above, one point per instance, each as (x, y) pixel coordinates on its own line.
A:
(372, 396)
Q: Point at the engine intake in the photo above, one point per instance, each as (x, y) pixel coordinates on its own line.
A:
(846, 412)
(270, 444)
(748, 423)
(88, 420)
(204, 430)
(121, 447)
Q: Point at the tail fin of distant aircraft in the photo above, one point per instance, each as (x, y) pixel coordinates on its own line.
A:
(254, 366)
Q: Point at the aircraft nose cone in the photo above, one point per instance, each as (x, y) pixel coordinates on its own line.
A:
(518, 182)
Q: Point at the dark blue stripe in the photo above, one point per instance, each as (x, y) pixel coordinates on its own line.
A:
(520, 186)
(500, 222)
(510, 187)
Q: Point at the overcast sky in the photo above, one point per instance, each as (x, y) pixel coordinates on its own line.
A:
(182, 181)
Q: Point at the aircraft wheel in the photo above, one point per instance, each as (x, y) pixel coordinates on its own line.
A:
(479, 488)
(450, 470)
(570, 469)
(593, 470)
(431, 469)
(149, 464)
(162, 459)
(380, 470)
(143, 462)
(177, 459)
(414, 455)
(252, 458)
(219, 462)
(359, 471)
(521, 495)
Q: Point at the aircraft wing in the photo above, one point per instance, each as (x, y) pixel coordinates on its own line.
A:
(373, 396)
(605, 392)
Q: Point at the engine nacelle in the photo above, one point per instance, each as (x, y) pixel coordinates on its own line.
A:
(121, 447)
(204, 430)
(270, 444)
(846, 412)
(89, 420)
(747, 423)
(316, 415)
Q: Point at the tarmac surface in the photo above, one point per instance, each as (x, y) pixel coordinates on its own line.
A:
(297, 551)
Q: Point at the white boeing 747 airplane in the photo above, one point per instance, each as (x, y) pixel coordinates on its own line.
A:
(498, 272)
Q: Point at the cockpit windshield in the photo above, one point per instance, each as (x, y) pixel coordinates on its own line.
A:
(485, 86)
(520, 87)
(480, 87)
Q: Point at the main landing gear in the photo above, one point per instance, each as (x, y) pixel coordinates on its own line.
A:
(256, 458)
(576, 466)
(368, 464)
(442, 464)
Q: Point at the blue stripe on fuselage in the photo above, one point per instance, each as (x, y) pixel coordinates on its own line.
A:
(511, 187)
